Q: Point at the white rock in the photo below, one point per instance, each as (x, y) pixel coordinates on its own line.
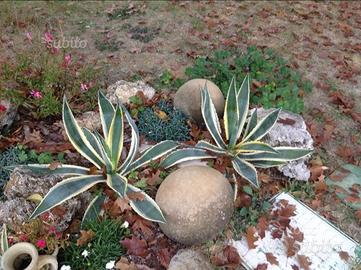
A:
(123, 90)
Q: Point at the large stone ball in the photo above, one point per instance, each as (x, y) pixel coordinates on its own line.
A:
(188, 98)
(197, 203)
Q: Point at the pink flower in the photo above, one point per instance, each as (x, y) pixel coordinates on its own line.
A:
(2, 108)
(41, 243)
(84, 87)
(29, 36)
(67, 60)
(36, 94)
(24, 238)
(48, 37)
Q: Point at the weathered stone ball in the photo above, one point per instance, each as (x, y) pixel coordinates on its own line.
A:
(188, 98)
(197, 202)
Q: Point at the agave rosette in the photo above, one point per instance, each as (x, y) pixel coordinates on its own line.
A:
(241, 141)
(104, 152)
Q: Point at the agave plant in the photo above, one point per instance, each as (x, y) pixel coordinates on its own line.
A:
(242, 136)
(105, 154)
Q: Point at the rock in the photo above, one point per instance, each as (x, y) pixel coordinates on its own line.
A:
(189, 259)
(197, 203)
(17, 208)
(90, 120)
(188, 98)
(8, 112)
(290, 130)
(123, 90)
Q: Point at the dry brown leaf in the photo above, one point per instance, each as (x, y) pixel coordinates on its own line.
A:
(124, 264)
(271, 258)
(251, 237)
(136, 246)
(54, 165)
(136, 196)
(85, 237)
(304, 262)
(344, 255)
(262, 266)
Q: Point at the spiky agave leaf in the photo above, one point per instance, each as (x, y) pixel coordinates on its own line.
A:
(93, 210)
(4, 244)
(231, 114)
(106, 110)
(243, 105)
(61, 169)
(246, 170)
(185, 154)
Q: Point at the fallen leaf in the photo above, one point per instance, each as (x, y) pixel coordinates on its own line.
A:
(304, 262)
(262, 226)
(144, 226)
(344, 255)
(136, 196)
(119, 206)
(291, 245)
(85, 237)
(36, 197)
(251, 237)
(135, 246)
(262, 266)
(164, 257)
(286, 121)
(271, 258)
(54, 165)
(124, 264)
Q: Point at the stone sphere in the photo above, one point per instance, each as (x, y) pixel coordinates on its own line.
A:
(197, 202)
(188, 98)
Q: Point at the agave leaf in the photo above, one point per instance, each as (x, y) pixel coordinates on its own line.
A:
(66, 190)
(118, 183)
(153, 153)
(134, 143)
(210, 147)
(102, 145)
(106, 110)
(231, 114)
(266, 163)
(263, 127)
(255, 146)
(243, 104)
(210, 117)
(246, 170)
(91, 139)
(116, 137)
(93, 210)
(62, 169)
(252, 122)
(283, 154)
(77, 137)
(182, 155)
(4, 240)
(146, 208)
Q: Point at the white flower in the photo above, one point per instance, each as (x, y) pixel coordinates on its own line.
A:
(125, 225)
(65, 267)
(110, 265)
(85, 253)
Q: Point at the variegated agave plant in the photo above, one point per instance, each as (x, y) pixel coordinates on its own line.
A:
(242, 137)
(105, 154)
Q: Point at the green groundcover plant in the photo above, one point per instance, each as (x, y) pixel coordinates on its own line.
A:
(242, 137)
(105, 154)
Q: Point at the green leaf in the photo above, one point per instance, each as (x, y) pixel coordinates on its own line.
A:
(147, 208)
(263, 127)
(62, 169)
(256, 146)
(182, 155)
(91, 139)
(134, 143)
(104, 149)
(210, 147)
(252, 122)
(231, 114)
(246, 170)
(243, 104)
(284, 154)
(77, 137)
(153, 153)
(93, 210)
(248, 190)
(266, 163)
(106, 110)
(210, 117)
(116, 137)
(118, 183)
(66, 190)
(4, 245)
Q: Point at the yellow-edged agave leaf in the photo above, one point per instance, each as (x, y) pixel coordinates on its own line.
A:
(93, 210)
(283, 154)
(210, 117)
(153, 153)
(134, 143)
(243, 104)
(210, 147)
(256, 146)
(252, 122)
(182, 155)
(146, 208)
(104, 150)
(118, 183)
(63, 169)
(77, 137)
(231, 114)
(263, 127)
(91, 139)
(66, 190)
(246, 170)
(106, 110)
(116, 137)
(4, 240)
(266, 163)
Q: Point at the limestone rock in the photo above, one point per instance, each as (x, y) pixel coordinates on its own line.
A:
(290, 130)
(8, 112)
(188, 259)
(197, 203)
(123, 90)
(188, 98)
(17, 209)
(90, 120)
